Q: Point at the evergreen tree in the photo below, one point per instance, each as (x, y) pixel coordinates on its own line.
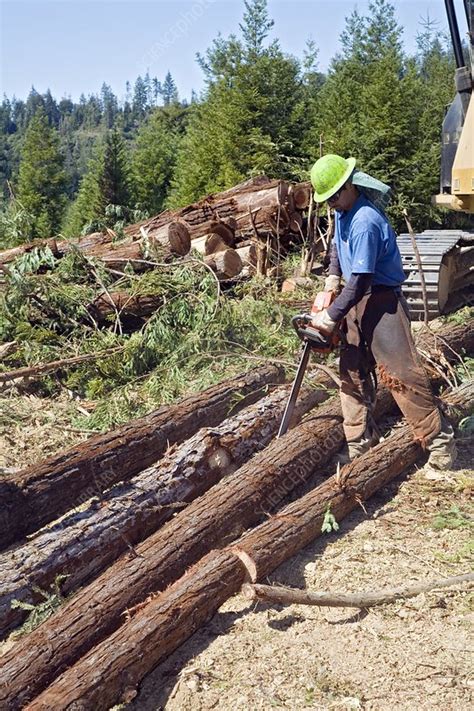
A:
(154, 158)
(41, 183)
(114, 180)
(169, 91)
(248, 122)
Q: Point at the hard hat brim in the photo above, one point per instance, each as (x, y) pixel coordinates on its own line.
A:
(322, 197)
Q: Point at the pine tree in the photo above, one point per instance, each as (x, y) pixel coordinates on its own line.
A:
(41, 182)
(248, 121)
(169, 91)
(114, 181)
(155, 156)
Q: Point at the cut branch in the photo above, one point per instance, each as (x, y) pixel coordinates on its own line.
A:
(280, 595)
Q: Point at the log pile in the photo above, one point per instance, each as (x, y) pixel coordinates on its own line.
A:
(177, 550)
(259, 215)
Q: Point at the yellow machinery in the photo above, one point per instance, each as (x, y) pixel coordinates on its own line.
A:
(447, 256)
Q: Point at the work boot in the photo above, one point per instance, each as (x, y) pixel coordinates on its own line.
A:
(442, 449)
(355, 448)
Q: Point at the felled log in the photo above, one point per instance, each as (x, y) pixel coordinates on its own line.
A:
(301, 193)
(283, 595)
(220, 514)
(43, 492)
(252, 205)
(8, 255)
(84, 543)
(109, 672)
(124, 304)
(248, 254)
(225, 264)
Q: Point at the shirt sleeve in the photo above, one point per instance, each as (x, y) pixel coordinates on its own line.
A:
(365, 249)
(357, 286)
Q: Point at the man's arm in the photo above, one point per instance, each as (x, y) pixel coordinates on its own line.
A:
(357, 286)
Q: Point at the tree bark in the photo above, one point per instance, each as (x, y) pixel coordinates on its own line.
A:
(225, 264)
(248, 255)
(282, 595)
(109, 672)
(43, 492)
(84, 543)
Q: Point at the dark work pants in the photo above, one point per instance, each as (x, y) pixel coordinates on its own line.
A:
(379, 338)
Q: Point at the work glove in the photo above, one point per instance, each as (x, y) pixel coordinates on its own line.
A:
(333, 283)
(323, 322)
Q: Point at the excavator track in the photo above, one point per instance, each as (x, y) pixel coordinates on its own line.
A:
(447, 258)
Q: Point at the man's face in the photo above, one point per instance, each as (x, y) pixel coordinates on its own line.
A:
(343, 199)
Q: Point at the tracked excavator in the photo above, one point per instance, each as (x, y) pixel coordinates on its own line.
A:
(447, 256)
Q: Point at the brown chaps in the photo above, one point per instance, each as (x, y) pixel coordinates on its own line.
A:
(379, 340)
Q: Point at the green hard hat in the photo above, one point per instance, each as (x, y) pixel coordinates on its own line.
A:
(328, 174)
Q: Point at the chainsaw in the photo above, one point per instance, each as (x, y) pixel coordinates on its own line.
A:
(313, 341)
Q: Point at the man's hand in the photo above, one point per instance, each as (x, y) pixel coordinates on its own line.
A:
(333, 283)
(323, 322)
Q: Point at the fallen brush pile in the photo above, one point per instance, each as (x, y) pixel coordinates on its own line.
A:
(165, 518)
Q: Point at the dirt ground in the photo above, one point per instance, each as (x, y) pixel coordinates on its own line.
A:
(415, 654)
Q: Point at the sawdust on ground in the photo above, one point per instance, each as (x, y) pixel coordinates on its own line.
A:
(414, 654)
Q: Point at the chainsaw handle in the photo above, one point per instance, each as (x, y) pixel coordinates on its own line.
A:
(300, 320)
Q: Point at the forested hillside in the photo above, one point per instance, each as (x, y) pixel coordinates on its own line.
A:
(71, 167)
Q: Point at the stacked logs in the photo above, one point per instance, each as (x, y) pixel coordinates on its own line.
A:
(240, 229)
(98, 646)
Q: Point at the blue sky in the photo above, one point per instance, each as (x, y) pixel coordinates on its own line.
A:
(71, 46)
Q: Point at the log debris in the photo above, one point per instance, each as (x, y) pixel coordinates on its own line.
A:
(157, 628)
(282, 595)
(41, 493)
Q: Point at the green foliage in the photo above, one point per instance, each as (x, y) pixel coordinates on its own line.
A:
(42, 181)
(249, 121)
(452, 519)
(329, 523)
(52, 601)
(154, 158)
(15, 223)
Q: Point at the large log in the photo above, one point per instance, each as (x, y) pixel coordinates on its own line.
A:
(254, 205)
(110, 672)
(84, 543)
(41, 493)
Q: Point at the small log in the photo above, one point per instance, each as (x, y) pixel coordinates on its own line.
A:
(248, 254)
(173, 238)
(8, 255)
(224, 230)
(84, 543)
(301, 193)
(225, 264)
(110, 671)
(43, 492)
(282, 595)
(214, 243)
(126, 305)
(297, 283)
